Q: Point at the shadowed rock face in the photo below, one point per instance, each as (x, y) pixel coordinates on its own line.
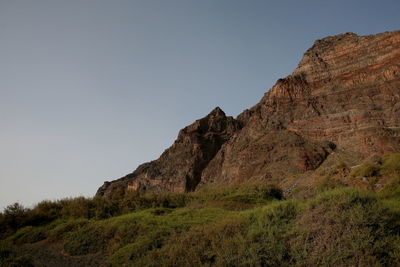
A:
(180, 167)
(345, 94)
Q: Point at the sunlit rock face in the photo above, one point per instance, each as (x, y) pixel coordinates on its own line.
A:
(344, 94)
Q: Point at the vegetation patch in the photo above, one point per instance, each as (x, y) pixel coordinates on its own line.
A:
(235, 225)
(345, 227)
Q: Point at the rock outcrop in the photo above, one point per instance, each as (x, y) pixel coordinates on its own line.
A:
(345, 91)
(344, 94)
(180, 167)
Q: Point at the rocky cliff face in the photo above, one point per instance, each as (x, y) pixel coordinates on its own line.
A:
(180, 167)
(345, 91)
(344, 94)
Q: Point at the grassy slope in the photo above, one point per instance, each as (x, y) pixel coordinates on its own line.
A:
(236, 225)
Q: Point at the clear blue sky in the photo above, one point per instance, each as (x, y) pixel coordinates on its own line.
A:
(89, 89)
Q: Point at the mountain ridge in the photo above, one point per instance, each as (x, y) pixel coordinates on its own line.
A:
(343, 96)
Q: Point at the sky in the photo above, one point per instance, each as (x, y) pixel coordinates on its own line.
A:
(89, 89)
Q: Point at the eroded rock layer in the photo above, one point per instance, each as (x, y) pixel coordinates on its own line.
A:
(344, 94)
(345, 91)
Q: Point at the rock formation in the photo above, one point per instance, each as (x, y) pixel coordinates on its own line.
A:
(180, 167)
(344, 94)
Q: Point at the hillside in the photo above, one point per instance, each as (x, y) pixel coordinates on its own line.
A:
(249, 224)
(309, 176)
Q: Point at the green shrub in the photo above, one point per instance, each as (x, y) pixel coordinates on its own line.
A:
(267, 236)
(62, 229)
(143, 232)
(88, 239)
(104, 208)
(344, 227)
(251, 238)
(391, 163)
(329, 183)
(79, 207)
(366, 170)
(45, 212)
(219, 243)
(236, 225)
(245, 193)
(258, 193)
(392, 189)
(28, 234)
(13, 217)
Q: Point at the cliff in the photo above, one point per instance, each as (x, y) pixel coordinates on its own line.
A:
(343, 97)
(180, 167)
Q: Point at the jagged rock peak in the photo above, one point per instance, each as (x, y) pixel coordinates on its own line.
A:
(215, 122)
(180, 167)
(329, 41)
(217, 112)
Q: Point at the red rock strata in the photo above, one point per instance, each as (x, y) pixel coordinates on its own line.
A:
(344, 94)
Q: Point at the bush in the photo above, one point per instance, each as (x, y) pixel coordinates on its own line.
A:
(13, 217)
(88, 239)
(366, 170)
(258, 193)
(344, 228)
(392, 189)
(62, 229)
(141, 233)
(391, 163)
(219, 243)
(244, 193)
(236, 225)
(250, 238)
(267, 236)
(329, 183)
(79, 207)
(28, 234)
(10, 258)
